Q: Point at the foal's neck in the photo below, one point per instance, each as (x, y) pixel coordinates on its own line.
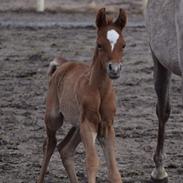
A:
(98, 75)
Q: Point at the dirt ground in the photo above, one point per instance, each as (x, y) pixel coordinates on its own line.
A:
(25, 52)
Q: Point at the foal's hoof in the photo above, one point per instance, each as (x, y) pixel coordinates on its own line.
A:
(159, 175)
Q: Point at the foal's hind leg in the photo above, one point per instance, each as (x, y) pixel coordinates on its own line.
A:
(162, 82)
(67, 149)
(52, 122)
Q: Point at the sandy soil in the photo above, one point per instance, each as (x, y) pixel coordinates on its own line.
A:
(25, 54)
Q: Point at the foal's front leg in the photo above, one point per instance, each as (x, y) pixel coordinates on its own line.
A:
(88, 132)
(107, 141)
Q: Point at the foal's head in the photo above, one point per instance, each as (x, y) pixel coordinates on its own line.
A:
(110, 42)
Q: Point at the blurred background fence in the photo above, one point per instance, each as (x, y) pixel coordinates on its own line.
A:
(71, 5)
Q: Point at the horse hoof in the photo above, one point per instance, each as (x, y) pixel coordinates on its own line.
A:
(164, 180)
(159, 175)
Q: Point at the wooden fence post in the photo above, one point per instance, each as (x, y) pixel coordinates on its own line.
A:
(40, 5)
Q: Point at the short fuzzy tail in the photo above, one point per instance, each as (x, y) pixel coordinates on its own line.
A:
(58, 61)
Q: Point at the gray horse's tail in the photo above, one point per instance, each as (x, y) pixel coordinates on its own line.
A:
(58, 61)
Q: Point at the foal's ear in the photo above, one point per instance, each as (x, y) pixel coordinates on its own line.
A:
(101, 18)
(121, 20)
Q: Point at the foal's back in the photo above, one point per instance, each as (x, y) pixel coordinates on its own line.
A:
(66, 80)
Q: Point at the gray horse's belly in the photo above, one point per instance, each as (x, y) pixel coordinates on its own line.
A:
(160, 23)
(167, 57)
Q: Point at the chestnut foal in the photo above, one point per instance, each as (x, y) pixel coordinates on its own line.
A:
(83, 96)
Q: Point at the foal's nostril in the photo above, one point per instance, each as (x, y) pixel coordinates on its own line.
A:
(110, 67)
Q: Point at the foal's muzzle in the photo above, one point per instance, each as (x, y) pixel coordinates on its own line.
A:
(113, 70)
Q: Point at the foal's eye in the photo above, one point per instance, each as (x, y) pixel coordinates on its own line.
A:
(99, 46)
(124, 45)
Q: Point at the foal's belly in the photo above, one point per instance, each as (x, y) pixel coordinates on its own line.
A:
(68, 102)
(70, 109)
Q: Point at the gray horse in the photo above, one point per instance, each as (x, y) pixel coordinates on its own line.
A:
(164, 22)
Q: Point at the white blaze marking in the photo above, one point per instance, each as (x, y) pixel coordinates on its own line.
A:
(112, 36)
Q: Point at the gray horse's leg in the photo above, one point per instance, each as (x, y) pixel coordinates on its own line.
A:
(162, 82)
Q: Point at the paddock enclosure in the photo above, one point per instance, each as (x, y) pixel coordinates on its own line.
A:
(29, 41)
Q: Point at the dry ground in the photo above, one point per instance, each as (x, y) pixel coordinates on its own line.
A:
(25, 54)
